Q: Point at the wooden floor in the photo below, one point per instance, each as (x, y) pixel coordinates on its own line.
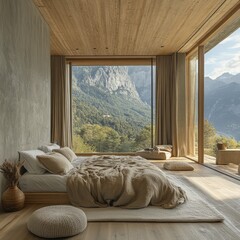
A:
(218, 189)
(230, 169)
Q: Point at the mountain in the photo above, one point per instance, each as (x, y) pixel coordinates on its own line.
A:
(229, 78)
(224, 77)
(210, 84)
(222, 104)
(140, 75)
(108, 96)
(113, 80)
(120, 97)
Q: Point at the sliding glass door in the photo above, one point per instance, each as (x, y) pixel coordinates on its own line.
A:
(222, 96)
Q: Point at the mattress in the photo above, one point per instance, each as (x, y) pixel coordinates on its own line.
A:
(42, 183)
(46, 182)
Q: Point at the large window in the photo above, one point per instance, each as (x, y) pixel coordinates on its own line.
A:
(222, 95)
(113, 107)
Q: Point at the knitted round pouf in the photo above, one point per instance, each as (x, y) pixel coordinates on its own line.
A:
(57, 221)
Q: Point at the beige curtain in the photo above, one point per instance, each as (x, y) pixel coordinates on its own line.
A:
(191, 104)
(171, 122)
(61, 122)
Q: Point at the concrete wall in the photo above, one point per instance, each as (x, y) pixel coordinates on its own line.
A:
(24, 79)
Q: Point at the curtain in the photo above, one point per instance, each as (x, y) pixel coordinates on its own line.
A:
(61, 116)
(171, 119)
(191, 105)
(164, 99)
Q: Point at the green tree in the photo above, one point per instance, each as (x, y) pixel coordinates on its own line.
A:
(209, 134)
(79, 146)
(229, 141)
(211, 138)
(104, 139)
(127, 144)
(143, 139)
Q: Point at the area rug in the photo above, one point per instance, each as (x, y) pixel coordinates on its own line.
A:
(194, 210)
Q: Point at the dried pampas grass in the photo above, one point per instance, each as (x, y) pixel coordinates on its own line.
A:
(11, 171)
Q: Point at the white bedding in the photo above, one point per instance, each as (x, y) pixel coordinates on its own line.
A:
(46, 182)
(43, 182)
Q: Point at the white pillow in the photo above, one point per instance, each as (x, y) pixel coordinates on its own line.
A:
(49, 148)
(31, 162)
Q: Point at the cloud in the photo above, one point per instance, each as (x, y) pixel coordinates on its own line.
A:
(224, 57)
(230, 64)
(211, 60)
(237, 45)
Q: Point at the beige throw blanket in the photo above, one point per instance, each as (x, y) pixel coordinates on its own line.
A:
(127, 182)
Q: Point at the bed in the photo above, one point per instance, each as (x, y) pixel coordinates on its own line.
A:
(46, 182)
(101, 181)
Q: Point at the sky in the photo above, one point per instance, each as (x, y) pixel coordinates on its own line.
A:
(224, 57)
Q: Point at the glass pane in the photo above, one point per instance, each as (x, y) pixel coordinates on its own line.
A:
(111, 108)
(222, 96)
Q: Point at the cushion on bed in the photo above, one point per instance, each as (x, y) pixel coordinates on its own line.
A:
(66, 152)
(178, 166)
(55, 163)
(31, 164)
(49, 147)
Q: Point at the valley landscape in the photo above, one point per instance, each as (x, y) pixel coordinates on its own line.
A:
(112, 109)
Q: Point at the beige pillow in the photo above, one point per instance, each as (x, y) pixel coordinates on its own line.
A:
(55, 163)
(67, 152)
(178, 166)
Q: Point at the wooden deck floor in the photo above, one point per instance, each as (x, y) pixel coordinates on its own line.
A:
(218, 189)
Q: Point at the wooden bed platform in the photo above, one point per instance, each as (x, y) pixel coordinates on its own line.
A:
(46, 198)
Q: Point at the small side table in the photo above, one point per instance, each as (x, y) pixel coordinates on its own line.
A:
(228, 156)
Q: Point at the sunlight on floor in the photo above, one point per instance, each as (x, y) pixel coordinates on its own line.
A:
(230, 190)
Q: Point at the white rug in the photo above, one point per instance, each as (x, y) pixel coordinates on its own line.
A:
(194, 210)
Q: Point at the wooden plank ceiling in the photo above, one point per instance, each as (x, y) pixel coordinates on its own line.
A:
(129, 27)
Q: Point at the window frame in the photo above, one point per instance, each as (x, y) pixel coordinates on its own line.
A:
(121, 61)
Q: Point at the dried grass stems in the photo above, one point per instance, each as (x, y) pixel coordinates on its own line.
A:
(11, 171)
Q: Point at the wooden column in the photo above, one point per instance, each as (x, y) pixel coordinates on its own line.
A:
(201, 104)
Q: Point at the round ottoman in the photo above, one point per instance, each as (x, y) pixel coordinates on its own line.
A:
(57, 221)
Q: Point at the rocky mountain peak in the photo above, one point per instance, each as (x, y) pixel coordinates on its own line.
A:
(224, 76)
(112, 79)
(222, 104)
